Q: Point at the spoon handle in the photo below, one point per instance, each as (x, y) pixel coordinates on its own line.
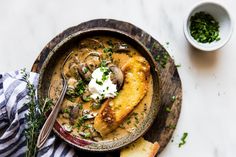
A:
(49, 123)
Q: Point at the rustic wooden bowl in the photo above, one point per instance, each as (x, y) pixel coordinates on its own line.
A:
(60, 51)
(170, 83)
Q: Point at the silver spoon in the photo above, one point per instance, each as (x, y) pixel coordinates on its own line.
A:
(49, 123)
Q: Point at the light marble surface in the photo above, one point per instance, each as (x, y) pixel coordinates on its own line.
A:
(209, 79)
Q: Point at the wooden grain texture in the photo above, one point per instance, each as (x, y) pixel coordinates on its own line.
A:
(170, 83)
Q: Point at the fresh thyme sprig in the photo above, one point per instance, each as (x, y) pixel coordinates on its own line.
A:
(35, 116)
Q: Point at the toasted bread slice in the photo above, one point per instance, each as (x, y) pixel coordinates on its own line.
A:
(140, 148)
(114, 111)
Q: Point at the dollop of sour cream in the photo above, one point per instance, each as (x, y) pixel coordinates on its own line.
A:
(101, 86)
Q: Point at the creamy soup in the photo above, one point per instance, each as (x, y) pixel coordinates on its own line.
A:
(109, 89)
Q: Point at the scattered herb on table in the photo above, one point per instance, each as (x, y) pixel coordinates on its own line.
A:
(162, 59)
(183, 139)
(204, 28)
(154, 46)
(35, 116)
(178, 65)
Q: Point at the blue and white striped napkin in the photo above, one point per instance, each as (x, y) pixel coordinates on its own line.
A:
(13, 95)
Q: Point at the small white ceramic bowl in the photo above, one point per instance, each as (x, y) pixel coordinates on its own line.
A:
(221, 15)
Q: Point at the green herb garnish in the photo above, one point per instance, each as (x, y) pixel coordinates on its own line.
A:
(95, 105)
(103, 63)
(204, 28)
(168, 109)
(86, 99)
(171, 126)
(99, 82)
(173, 98)
(104, 77)
(107, 50)
(79, 90)
(178, 65)
(85, 70)
(80, 122)
(87, 134)
(80, 106)
(162, 59)
(87, 126)
(128, 121)
(110, 43)
(183, 139)
(66, 110)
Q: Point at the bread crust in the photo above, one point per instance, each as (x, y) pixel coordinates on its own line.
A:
(154, 150)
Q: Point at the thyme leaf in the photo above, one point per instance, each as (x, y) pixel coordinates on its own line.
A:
(35, 116)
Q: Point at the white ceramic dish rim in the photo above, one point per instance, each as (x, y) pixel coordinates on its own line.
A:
(190, 39)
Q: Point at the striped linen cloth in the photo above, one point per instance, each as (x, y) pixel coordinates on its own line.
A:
(13, 95)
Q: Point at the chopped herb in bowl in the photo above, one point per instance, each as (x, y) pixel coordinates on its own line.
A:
(204, 28)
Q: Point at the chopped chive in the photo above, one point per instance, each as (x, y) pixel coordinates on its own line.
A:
(85, 70)
(99, 82)
(173, 98)
(204, 28)
(168, 109)
(183, 139)
(178, 65)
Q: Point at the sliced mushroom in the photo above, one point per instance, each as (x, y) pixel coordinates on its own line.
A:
(67, 127)
(85, 134)
(85, 72)
(93, 60)
(76, 60)
(74, 113)
(89, 115)
(72, 71)
(93, 132)
(120, 47)
(72, 82)
(117, 76)
(97, 139)
(91, 43)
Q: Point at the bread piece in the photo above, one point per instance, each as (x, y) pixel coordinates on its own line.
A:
(114, 111)
(140, 148)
